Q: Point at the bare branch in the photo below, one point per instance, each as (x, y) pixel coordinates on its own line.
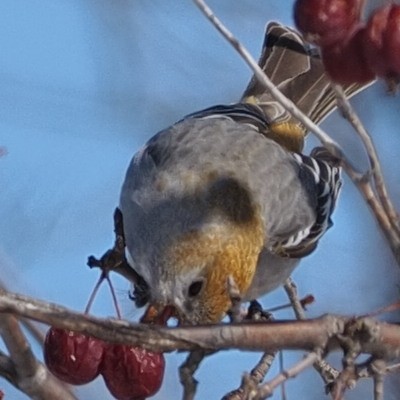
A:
(381, 205)
(327, 372)
(348, 376)
(18, 347)
(251, 381)
(395, 368)
(376, 170)
(30, 326)
(258, 373)
(281, 369)
(291, 291)
(23, 370)
(187, 370)
(114, 259)
(378, 368)
(379, 339)
(267, 389)
(7, 369)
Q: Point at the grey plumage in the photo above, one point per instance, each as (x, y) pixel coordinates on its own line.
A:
(166, 192)
(218, 168)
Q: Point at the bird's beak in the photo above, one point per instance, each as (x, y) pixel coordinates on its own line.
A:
(155, 314)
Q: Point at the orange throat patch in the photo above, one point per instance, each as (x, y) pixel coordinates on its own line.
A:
(230, 250)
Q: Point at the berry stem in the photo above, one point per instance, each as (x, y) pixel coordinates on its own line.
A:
(114, 297)
(94, 292)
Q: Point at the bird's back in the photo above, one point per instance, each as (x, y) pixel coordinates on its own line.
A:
(212, 170)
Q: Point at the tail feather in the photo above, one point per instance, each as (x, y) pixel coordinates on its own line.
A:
(297, 70)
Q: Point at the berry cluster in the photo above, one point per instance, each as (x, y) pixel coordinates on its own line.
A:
(352, 51)
(130, 373)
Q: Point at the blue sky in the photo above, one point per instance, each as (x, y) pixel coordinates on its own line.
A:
(83, 85)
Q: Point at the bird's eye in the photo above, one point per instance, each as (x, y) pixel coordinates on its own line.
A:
(195, 288)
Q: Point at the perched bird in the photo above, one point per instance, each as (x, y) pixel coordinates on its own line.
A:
(226, 193)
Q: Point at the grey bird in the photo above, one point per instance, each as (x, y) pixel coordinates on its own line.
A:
(226, 195)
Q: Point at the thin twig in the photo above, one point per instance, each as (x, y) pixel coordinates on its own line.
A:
(328, 373)
(383, 310)
(366, 190)
(247, 386)
(305, 301)
(187, 370)
(395, 368)
(114, 259)
(268, 388)
(251, 381)
(347, 378)
(372, 367)
(291, 291)
(261, 369)
(378, 368)
(376, 170)
(281, 369)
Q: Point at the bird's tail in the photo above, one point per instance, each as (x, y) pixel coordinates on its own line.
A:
(297, 70)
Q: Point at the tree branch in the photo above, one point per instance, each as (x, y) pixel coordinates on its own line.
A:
(381, 204)
(23, 370)
(34, 330)
(267, 389)
(376, 169)
(187, 370)
(379, 339)
(326, 371)
(7, 369)
(251, 381)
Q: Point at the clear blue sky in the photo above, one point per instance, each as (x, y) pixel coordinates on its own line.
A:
(83, 84)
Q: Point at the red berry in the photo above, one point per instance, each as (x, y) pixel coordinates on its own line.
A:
(73, 357)
(382, 41)
(345, 63)
(132, 373)
(325, 22)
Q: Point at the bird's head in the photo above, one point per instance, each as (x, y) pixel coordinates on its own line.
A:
(197, 267)
(187, 248)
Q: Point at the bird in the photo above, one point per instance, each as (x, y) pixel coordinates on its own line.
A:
(225, 196)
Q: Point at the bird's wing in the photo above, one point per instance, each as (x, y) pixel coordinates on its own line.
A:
(320, 175)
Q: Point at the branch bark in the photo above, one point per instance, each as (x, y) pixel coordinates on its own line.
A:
(23, 370)
(328, 333)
